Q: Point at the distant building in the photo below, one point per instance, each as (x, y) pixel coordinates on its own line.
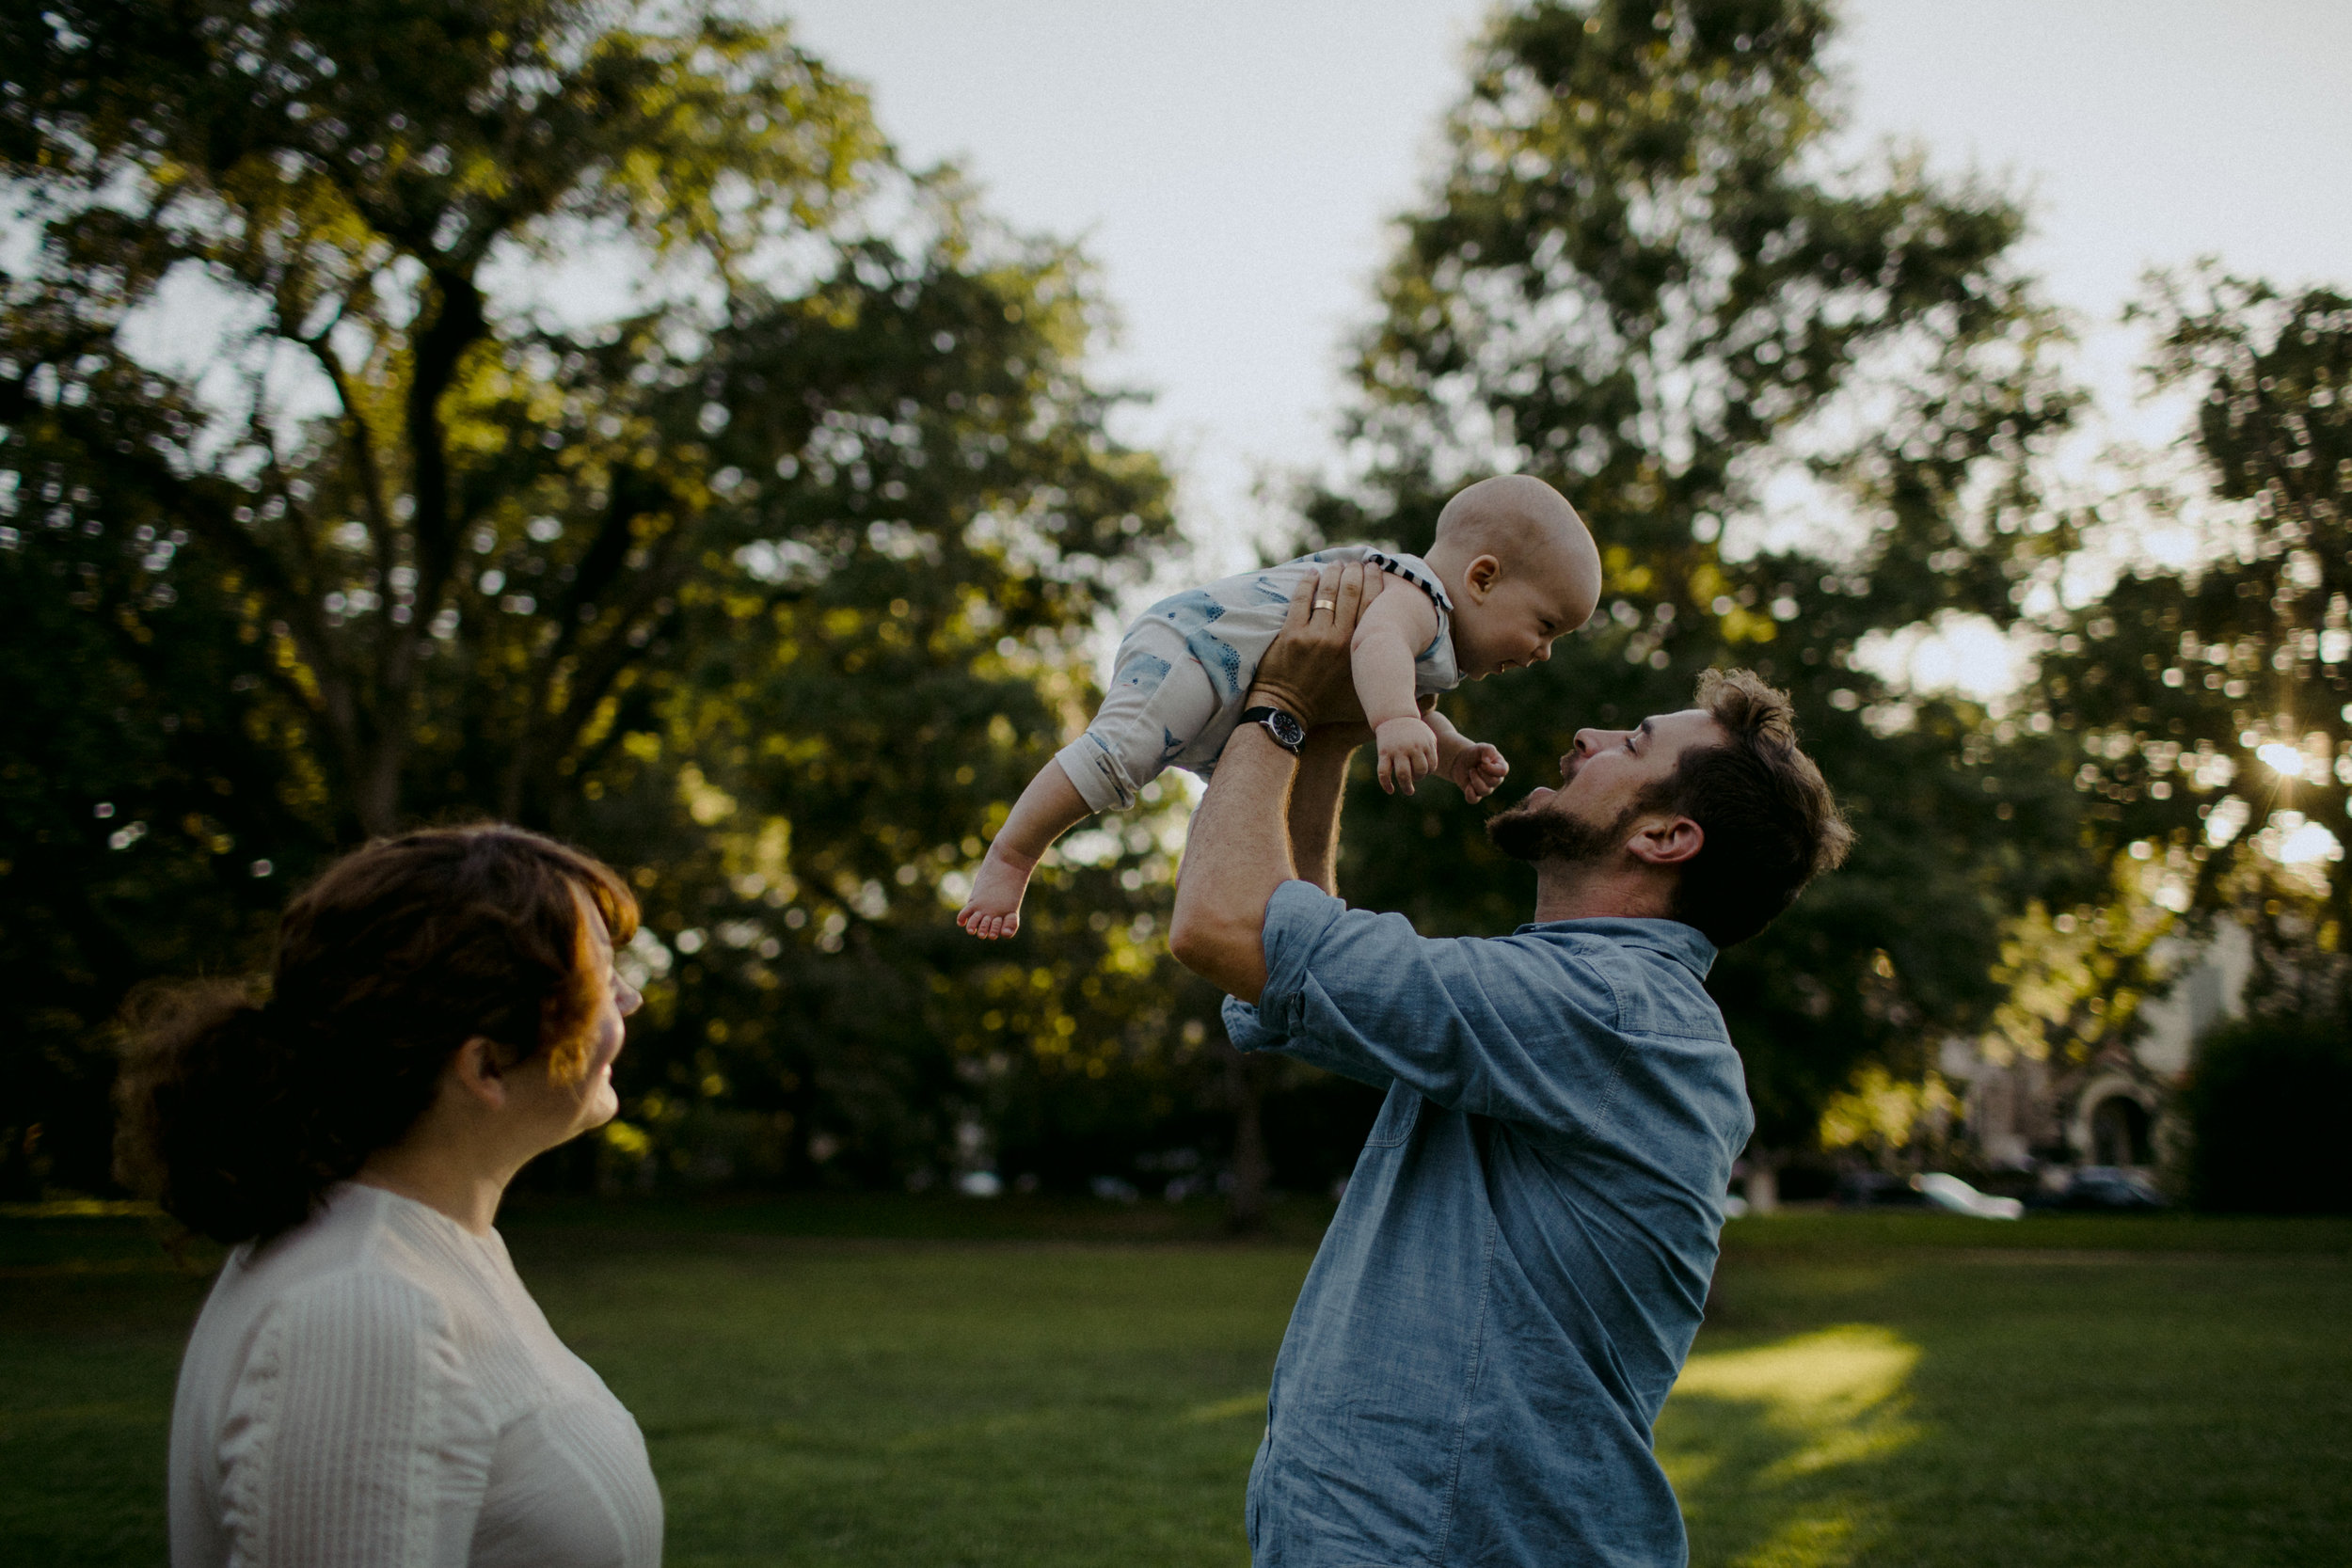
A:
(2116, 1108)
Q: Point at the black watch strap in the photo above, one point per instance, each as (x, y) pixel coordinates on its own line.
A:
(1287, 732)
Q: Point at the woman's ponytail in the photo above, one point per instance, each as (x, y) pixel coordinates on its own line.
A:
(207, 1122)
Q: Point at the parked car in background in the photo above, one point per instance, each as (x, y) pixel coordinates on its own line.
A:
(1936, 1190)
(2108, 1189)
(1875, 1189)
(1955, 1197)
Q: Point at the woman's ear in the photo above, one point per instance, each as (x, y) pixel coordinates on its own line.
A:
(476, 1072)
(1481, 575)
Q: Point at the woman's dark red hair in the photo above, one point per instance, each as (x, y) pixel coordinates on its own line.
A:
(241, 1103)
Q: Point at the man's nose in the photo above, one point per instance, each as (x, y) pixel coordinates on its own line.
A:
(1543, 652)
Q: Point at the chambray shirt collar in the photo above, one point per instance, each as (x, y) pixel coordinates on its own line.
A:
(1671, 938)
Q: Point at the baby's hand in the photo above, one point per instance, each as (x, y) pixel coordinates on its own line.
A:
(1408, 750)
(1477, 769)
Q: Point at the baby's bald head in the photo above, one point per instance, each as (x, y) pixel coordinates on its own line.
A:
(1520, 569)
(1530, 529)
(1511, 515)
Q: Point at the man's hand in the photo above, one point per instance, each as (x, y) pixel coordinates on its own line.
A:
(1307, 672)
(1240, 849)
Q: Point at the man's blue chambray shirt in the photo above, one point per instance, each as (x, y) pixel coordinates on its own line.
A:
(1517, 1270)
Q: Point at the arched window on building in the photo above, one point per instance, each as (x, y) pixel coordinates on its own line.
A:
(2119, 1132)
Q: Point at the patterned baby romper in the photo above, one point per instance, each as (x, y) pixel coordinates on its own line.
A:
(1185, 665)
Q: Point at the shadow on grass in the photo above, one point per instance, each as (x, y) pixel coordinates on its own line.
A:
(1771, 1449)
(2078, 1410)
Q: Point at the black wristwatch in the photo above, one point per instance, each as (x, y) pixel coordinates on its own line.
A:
(1288, 733)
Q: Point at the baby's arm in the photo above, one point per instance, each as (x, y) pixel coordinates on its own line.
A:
(1392, 628)
(1474, 767)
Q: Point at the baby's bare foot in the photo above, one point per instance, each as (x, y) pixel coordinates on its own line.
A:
(993, 910)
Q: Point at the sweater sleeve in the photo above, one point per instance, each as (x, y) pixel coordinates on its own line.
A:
(354, 1438)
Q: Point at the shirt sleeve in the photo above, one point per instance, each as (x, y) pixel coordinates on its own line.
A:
(1477, 1024)
(354, 1438)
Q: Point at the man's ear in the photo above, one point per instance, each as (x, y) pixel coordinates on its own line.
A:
(476, 1072)
(1481, 575)
(1666, 841)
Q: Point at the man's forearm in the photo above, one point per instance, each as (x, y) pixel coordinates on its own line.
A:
(1236, 853)
(1314, 808)
(1238, 850)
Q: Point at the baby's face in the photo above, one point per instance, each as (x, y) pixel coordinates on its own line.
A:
(1514, 625)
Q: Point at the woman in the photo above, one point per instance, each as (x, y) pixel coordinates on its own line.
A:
(369, 1381)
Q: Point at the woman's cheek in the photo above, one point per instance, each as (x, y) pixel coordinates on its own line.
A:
(611, 1034)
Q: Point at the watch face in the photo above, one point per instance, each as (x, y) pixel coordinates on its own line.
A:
(1286, 729)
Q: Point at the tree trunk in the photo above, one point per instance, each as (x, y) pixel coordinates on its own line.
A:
(1245, 1204)
(377, 802)
(1763, 1191)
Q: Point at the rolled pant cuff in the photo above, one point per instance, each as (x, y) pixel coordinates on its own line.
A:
(1101, 782)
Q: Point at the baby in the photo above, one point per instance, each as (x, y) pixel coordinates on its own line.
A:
(1511, 568)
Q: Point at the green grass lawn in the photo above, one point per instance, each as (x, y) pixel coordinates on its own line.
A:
(936, 1384)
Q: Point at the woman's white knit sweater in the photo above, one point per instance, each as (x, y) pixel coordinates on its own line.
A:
(376, 1388)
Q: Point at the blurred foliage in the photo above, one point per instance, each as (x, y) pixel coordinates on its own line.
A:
(142, 804)
(1642, 280)
(2264, 1106)
(2211, 705)
(2072, 980)
(1883, 1115)
(342, 487)
(766, 576)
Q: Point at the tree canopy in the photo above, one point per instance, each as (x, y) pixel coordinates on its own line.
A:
(765, 576)
(2211, 702)
(578, 414)
(1798, 405)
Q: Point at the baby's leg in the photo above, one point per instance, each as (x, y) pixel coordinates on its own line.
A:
(1160, 698)
(1049, 807)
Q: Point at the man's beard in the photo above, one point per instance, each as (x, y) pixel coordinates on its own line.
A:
(1526, 835)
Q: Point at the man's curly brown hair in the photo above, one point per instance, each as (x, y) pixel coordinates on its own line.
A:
(1769, 821)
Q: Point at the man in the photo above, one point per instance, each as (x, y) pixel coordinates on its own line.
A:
(1513, 1281)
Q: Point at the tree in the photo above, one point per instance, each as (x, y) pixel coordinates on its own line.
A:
(349, 177)
(2264, 1107)
(146, 824)
(2211, 703)
(767, 581)
(1639, 278)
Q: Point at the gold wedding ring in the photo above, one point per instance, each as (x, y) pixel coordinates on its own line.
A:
(1326, 604)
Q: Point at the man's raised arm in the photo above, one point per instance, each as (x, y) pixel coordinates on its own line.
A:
(1314, 808)
(1261, 799)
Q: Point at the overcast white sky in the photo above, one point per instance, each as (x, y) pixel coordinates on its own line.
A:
(1233, 163)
